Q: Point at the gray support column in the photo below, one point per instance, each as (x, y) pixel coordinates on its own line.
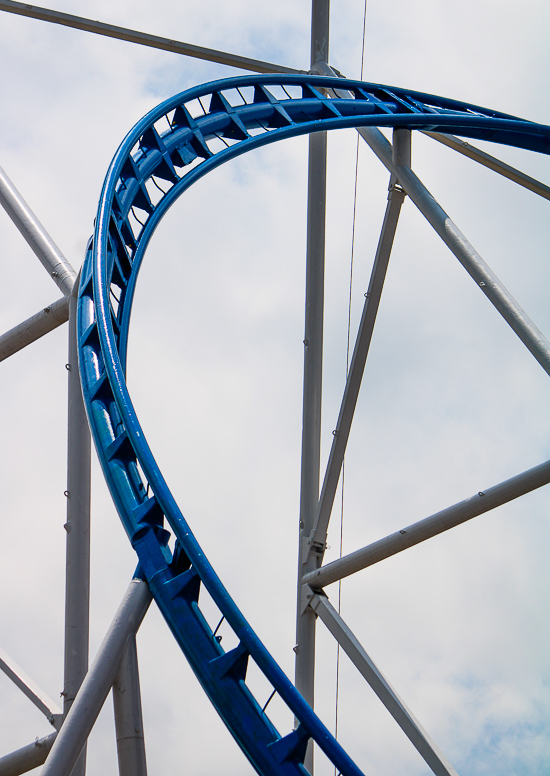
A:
(46, 320)
(477, 268)
(311, 423)
(27, 758)
(99, 680)
(130, 740)
(383, 689)
(77, 585)
(37, 237)
(313, 370)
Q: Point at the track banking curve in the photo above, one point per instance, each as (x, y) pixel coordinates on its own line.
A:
(169, 149)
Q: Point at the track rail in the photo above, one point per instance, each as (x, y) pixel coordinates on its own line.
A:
(166, 152)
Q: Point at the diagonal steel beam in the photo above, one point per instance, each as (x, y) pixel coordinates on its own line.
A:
(477, 268)
(391, 700)
(42, 702)
(143, 39)
(506, 170)
(99, 680)
(360, 353)
(481, 502)
(37, 237)
(33, 328)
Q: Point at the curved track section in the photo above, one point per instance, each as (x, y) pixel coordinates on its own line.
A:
(169, 149)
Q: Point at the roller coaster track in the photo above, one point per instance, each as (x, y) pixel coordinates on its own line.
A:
(169, 149)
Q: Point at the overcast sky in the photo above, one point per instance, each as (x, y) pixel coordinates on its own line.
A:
(451, 403)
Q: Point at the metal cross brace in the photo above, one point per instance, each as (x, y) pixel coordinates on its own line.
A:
(391, 700)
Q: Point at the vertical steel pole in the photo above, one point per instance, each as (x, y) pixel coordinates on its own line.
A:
(130, 740)
(77, 583)
(313, 369)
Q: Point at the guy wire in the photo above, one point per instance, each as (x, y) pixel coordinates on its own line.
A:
(337, 694)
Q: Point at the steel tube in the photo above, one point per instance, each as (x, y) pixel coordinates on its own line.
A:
(42, 702)
(313, 373)
(37, 237)
(320, 28)
(312, 394)
(383, 689)
(491, 162)
(77, 582)
(130, 740)
(142, 38)
(99, 680)
(362, 345)
(29, 331)
(481, 502)
(472, 262)
(27, 758)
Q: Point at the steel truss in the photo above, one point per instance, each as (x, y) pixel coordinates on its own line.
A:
(152, 168)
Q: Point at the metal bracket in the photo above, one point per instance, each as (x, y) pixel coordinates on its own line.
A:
(310, 546)
(308, 597)
(56, 720)
(395, 187)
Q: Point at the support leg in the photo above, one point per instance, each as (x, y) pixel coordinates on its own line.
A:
(313, 370)
(130, 741)
(77, 589)
(37, 237)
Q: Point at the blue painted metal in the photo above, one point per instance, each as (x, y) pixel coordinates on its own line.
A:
(242, 113)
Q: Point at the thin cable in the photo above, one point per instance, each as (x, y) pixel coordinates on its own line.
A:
(337, 694)
(363, 46)
(242, 97)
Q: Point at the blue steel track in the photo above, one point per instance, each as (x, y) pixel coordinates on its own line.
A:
(167, 151)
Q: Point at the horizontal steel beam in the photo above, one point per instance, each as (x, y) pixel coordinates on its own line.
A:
(49, 708)
(491, 162)
(37, 237)
(477, 268)
(481, 502)
(383, 689)
(28, 757)
(99, 680)
(143, 38)
(35, 327)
